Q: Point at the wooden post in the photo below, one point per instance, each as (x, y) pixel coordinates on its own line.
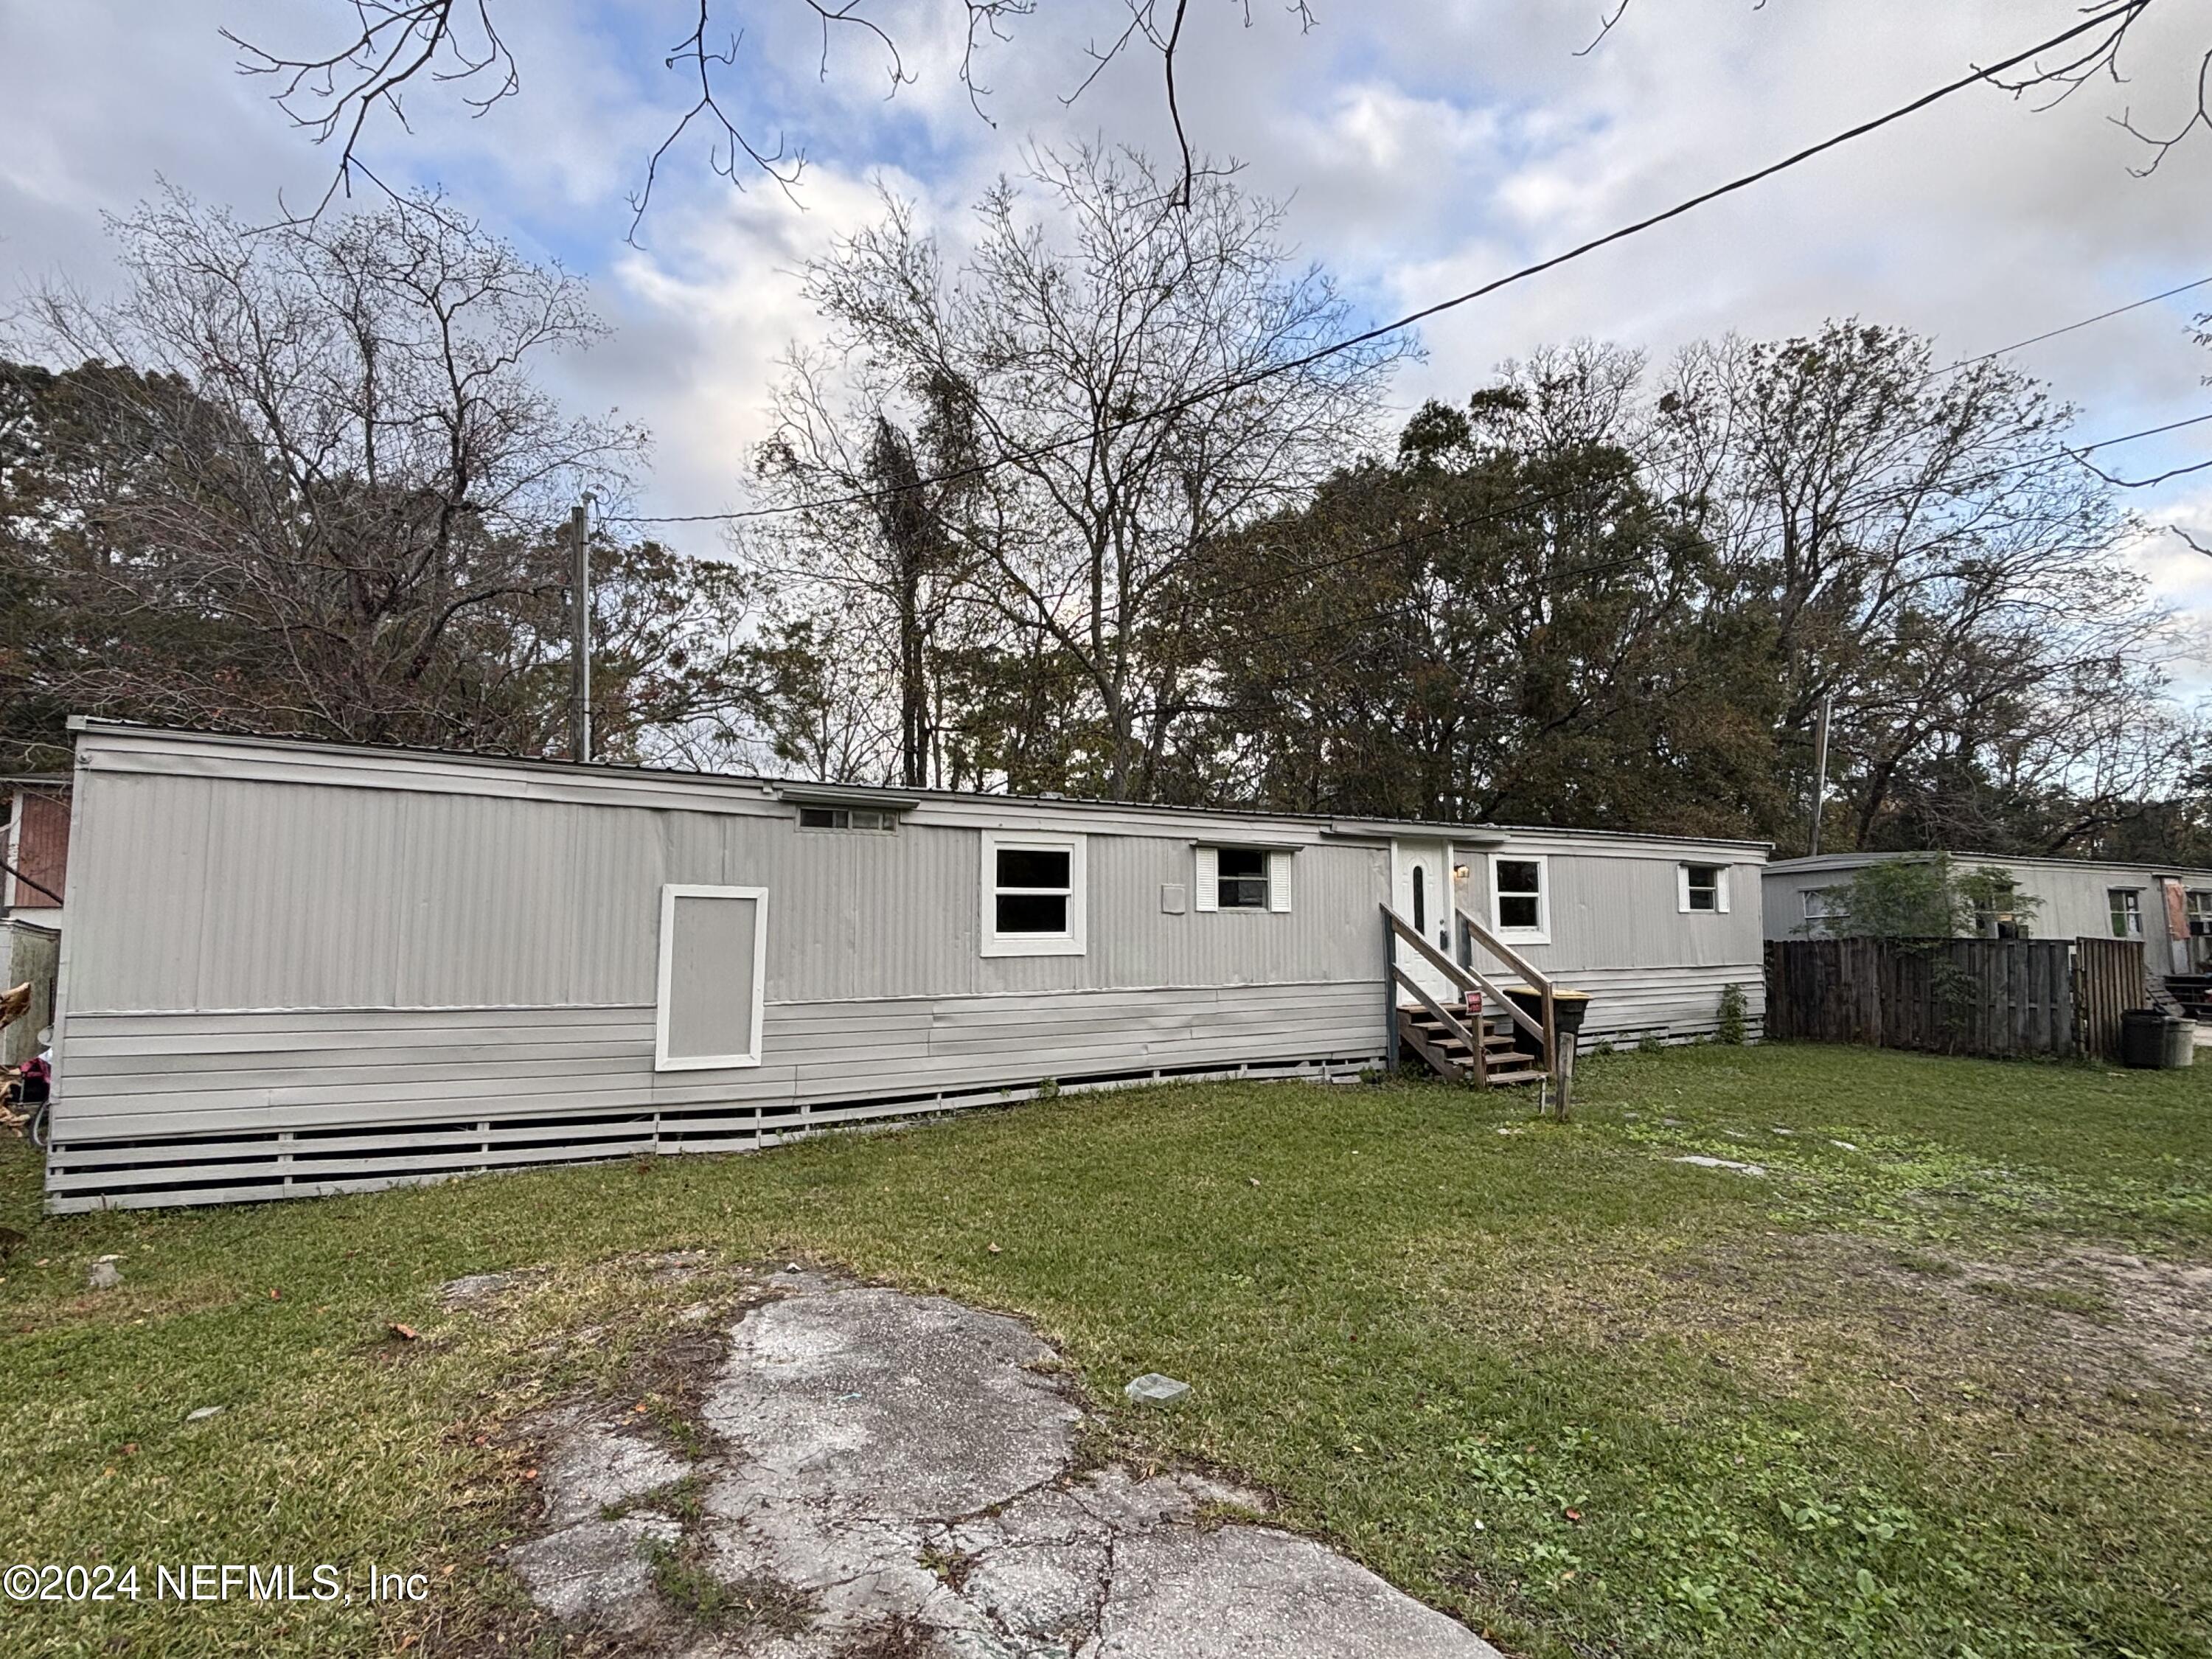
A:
(1390, 990)
(1551, 1023)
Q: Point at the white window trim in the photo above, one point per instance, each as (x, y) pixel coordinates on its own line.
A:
(1205, 879)
(992, 942)
(2134, 913)
(670, 892)
(1541, 933)
(1682, 889)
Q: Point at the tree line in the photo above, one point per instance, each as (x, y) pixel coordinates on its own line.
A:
(1075, 499)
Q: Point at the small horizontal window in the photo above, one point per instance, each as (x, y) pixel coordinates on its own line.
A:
(846, 818)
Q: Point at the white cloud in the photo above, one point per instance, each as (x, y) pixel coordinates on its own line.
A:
(1426, 145)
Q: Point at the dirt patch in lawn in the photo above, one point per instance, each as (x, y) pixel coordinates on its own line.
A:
(2075, 1325)
(2119, 1315)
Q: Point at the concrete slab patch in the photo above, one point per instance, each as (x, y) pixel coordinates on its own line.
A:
(905, 1466)
(593, 1467)
(478, 1291)
(596, 1573)
(1705, 1163)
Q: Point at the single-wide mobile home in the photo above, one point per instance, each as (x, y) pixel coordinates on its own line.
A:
(2168, 908)
(295, 968)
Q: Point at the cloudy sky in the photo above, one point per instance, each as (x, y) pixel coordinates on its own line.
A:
(1423, 147)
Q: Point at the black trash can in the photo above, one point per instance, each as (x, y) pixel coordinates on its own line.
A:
(1569, 1010)
(2142, 1038)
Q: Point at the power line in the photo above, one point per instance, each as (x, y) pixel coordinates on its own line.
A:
(2052, 334)
(2120, 16)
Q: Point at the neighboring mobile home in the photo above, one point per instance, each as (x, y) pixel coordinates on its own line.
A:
(34, 828)
(297, 967)
(2169, 909)
(35, 820)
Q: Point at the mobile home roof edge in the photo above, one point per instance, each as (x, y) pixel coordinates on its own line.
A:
(757, 788)
(1827, 862)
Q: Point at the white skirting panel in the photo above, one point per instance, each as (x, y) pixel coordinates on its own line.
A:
(170, 1109)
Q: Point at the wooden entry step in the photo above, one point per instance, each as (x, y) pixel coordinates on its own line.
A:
(1504, 1064)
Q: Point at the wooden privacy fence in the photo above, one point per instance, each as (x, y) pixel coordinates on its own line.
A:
(1998, 997)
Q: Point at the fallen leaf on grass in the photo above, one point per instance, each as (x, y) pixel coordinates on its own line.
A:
(405, 1333)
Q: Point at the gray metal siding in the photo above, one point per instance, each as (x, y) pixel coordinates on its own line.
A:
(1616, 908)
(261, 896)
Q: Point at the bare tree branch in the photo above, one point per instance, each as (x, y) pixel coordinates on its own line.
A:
(1606, 26)
(397, 41)
(722, 153)
(333, 95)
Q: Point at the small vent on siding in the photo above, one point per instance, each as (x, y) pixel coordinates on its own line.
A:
(181, 1169)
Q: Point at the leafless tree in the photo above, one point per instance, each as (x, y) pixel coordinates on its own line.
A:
(1934, 556)
(337, 461)
(877, 527)
(1138, 377)
(390, 49)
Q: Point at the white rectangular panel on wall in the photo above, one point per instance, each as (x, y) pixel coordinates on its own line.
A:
(714, 969)
(1279, 881)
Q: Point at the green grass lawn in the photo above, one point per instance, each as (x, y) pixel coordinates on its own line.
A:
(1933, 1392)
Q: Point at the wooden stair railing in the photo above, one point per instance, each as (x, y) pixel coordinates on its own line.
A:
(1442, 1036)
(1548, 1032)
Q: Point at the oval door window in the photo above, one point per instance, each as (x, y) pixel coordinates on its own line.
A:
(1420, 902)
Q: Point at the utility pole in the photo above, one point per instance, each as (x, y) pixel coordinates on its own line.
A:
(1821, 767)
(579, 634)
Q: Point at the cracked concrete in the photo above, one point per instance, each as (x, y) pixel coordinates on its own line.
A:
(908, 1464)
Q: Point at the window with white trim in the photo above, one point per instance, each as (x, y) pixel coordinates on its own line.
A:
(2126, 904)
(1520, 897)
(1822, 904)
(712, 977)
(1701, 887)
(1033, 896)
(1242, 878)
(2197, 904)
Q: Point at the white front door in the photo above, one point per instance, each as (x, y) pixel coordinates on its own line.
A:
(1421, 894)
